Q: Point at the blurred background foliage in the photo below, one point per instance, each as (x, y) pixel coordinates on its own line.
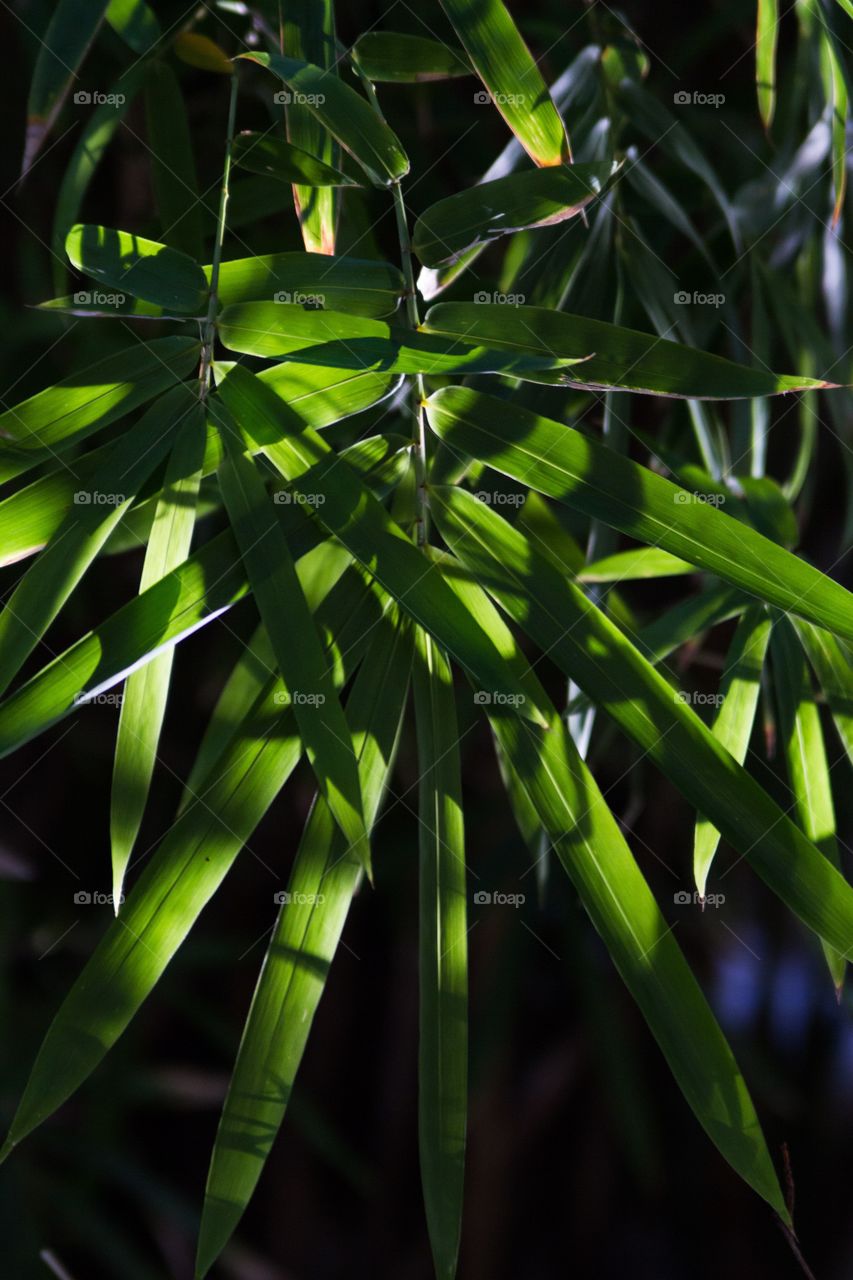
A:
(583, 1156)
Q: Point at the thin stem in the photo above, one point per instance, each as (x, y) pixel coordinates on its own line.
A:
(209, 336)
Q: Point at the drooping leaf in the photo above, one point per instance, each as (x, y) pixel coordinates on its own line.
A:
(352, 514)
(71, 30)
(344, 113)
(177, 882)
(833, 666)
(801, 737)
(535, 198)
(766, 37)
(198, 50)
(406, 59)
(277, 158)
(35, 430)
(589, 477)
(592, 651)
(338, 340)
(308, 32)
(443, 950)
(130, 264)
(732, 726)
(310, 921)
(597, 859)
(49, 581)
(514, 82)
(621, 359)
(145, 692)
(297, 646)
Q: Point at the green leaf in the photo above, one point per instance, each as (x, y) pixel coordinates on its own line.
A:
(178, 881)
(833, 666)
(296, 644)
(801, 737)
(344, 113)
(198, 50)
(361, 286)
(480, 214)
(643, 562)
(135, 22)
(350, 512)
(89, 399)
(597, 859)
(48, 583)
(173, 168)
(839, 106)
(143, 268)
(504, 64)
(279, 159)
(337, 340)
(70, 32)
(308, 32)
(404, 59)
(737, 701)
(589, 477)
(145, 692)
(623, 359)
(443, 951)
(98, 304)
(766, 36)
(592, 651)
(303, 945)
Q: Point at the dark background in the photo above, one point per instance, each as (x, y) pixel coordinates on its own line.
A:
(583, 1158)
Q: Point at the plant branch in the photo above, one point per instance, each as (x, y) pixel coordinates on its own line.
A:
(209, 335)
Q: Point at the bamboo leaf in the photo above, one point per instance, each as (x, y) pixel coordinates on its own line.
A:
(535, 198)
(136, 23)
(504, 64)
(143, 268)
(405, 59)
(801, 737)
(594, 854)
(443, 949)
(344, 113)
(70, 32)
(198, 50)
(308, 32)
(305, 939)
(589, 477)
(279, 159)
(145, 691)
(48, 583)
(350, 512)
(644, 562)
(833, 667)
(177, 883)
(360, 286)
(297, 647)
(733, 723)
(591, 650)
(623, 359)
(89, 399)
(337, 340)
(766, 36)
